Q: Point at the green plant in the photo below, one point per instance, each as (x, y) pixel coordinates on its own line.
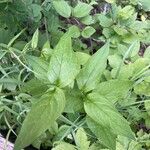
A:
(79, 82)
(62, 71)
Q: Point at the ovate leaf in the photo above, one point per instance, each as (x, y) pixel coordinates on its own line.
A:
(87, 20)
(42, 115)
(82, 10)
(126, 12)
(74, 31)
(135, 49)
(62, 8)
(105, 21)
(104, 113)
(90, 75)
(114, 90)
(36, 12)
(82, 57)
(39, 67)
(64, 65)
(82, 141)
(120, 30)
(104, 134)
(88, 31)
(34, 85)
(114, 60)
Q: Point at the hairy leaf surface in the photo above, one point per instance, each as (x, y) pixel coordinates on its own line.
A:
(90, 75)
(114, 90)
(40, 118)
(63, 66)
(103, 133)
(62, 7)
(104, 113)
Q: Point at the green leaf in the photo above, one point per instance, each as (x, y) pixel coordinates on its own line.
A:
(35, 38)
(145, 4)
(87, 20)
(103, 133)
(90, 74)
(120, 30)
(114, 90)
(41, 116)
(82, 140)
(88, 31)
(52, 26)
(64, 65)
(114, 60)
(46, 50)
(62, 8)
(74, 31)
(9, 83)
(39, 66)
(122, 49)
(6, 36)
(135, 49)
(97, 146)
(126, 12)
(82, 10)
(122, 143)
(62, 132)
(105, 114)
(74, 102)
(36, 12)
(34, 85)
(105, 21)
(82, 57)
(64, 146)
(147, 52)
(15, 38)
(132, 69)
(142, 89)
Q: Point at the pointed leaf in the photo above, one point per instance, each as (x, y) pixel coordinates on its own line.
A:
(114, 90)
(82, 57)
(42, 115)
(39, 66)
(104, 134)
(82, 10)
(90, 75)
(62, 8)
(104, 113)
(35, 39)
(64, 65)
(82, 140)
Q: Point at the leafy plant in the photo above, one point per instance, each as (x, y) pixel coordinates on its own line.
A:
(75, 74)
